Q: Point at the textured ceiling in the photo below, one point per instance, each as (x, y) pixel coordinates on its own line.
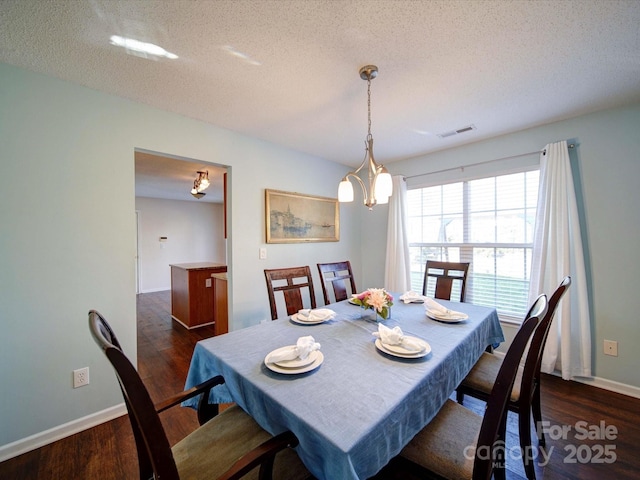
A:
(287, 71)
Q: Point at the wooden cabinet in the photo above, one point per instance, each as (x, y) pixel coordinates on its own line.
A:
(192, 292)
(220, 304)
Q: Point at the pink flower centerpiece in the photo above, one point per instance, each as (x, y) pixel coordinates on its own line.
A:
(377, 299)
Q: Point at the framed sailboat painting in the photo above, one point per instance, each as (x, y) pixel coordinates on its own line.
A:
(295, 218)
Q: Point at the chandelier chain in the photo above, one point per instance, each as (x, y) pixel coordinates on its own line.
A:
(369, 104)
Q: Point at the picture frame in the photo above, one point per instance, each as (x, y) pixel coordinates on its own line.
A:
(298, 218)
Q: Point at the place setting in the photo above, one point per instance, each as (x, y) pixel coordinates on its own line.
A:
(393, 341)
(441, 313)
(309, 316)
(302, 357)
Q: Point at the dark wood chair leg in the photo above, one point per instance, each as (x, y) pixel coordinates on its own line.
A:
(537, 415)
(500, 460)
(499, 472)
(460, 396)
(524, 430)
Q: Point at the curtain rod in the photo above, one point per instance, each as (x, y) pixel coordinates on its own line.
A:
(462, 167)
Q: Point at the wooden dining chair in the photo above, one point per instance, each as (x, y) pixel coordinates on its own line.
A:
(441, 277)
(228, 445)
(295, 280)
(336, 275)
(460, 444)
(525, 397)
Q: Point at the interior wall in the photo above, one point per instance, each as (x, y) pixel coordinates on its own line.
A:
(606, 168)
(71, 247)
(194, 232)
(256, 173)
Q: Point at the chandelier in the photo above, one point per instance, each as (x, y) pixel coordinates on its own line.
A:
(200, 183)
(379, 178)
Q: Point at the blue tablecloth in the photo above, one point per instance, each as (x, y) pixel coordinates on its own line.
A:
(360, 407)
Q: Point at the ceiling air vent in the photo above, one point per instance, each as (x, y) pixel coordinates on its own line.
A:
(451, 133)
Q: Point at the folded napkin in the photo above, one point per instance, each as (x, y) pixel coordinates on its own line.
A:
(394, 336)
(431, 306)
(303, 347)
(316, 315)
(411, 297)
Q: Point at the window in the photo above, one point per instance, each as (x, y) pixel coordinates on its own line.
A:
(488, 222)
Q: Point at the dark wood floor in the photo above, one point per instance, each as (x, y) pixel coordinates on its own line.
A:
(164, 348)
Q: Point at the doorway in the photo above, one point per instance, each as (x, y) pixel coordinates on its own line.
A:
(172, 225)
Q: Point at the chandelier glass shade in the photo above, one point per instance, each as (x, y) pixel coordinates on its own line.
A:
(378, 179)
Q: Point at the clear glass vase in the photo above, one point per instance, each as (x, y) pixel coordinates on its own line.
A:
(372, 315)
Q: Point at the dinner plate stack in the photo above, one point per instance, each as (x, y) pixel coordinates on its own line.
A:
(312, 317)
(448, 316)
(296, 365)
(400, 351)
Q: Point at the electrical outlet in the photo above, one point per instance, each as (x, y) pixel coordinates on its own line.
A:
(81, 377)
(611, 348)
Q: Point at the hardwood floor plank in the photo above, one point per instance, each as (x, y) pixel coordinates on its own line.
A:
(108, 451)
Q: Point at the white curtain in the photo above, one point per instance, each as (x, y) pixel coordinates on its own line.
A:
(397, 277)
(557, 252)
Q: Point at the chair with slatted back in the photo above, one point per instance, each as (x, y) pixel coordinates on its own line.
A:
(336, 275)
(441, 277)
(525, 397)
(228, 445)
(295, 280)
(460, 444)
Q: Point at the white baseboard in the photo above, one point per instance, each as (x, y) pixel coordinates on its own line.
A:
(610, 385)
(41, 439)
(603, 383)
(598, 382)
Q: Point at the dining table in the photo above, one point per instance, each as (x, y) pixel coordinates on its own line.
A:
(357, 406)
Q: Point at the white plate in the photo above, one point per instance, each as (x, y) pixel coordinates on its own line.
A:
(299, 319)
(403, 351)
(319, 358)
(449, 318)
(387, 349)
(294, 363)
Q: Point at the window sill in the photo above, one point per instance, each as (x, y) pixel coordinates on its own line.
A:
(510, 320)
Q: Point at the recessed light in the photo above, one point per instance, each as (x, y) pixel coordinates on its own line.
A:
(139, 48)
